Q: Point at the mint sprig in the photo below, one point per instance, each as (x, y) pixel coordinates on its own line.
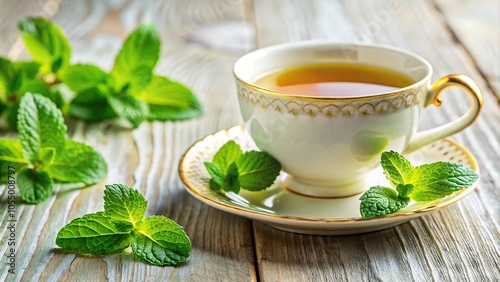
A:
(131, 90)
(43, 155)
(231, 169)
(156, 240)
(46, 42)
(423, 183)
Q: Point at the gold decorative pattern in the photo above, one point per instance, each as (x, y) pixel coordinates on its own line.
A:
(336, 107)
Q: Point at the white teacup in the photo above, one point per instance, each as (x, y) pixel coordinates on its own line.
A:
(328, 146)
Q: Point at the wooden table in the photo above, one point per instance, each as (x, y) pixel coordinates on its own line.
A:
(201, 41)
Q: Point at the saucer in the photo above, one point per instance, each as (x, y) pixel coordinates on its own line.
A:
(285, 210)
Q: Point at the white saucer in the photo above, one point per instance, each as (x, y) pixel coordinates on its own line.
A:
(288, 211)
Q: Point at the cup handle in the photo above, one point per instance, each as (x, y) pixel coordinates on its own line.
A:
(434, 97)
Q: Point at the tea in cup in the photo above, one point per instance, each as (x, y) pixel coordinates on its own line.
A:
(326, 111)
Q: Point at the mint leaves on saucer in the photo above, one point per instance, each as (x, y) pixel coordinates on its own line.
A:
(231, 169)
(43, 155)
(157, 240)
(423, 183)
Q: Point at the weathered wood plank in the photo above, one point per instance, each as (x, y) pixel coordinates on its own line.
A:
(457, 243)
(477, 26)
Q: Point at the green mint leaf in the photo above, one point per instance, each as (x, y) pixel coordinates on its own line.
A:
(124, 203)
(11, 154)
(130, 108)
(140, 77)
(28, 69)
(142, 47)
(34, 187)
(9, 77)
(38, 87)
(214, 185)
(217, 174)
(169, 100)
(46, 158)
(81, 77)
(397, 168)
(78, 163)
(95, 234)
(92, 105)
(257, 170)
(11, 116)
(404, 191)
(436, 180)
(379, 201)
(33, 86)
(40, 125)
(3, 107)
(46, 42)
(227, 155)
(160, 241)
(231, 181)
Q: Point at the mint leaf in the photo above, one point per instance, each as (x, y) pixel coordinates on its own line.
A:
(160, 241)
(257, 170)
(141, 48)
(130, 108)
(38, 87)
(436, 180)
(156, 240)
(33, 86)
(28, 69)
(81, 77)
(217, 174)
(92, 105)
(379, 201)
(3, 107)
(11, 154)
(95, 234)
(231, 181)
(9, 77)
(78, 163)
(227, 154)
(46, 42)
(34, 187)
(40, 125)
(11, 116)
(140, 76)
(124, 203)
(46, 158)
(397, 168)
(169, 100)
(404, 191)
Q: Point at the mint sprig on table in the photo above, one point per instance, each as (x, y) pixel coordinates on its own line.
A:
(131, 90)
(43, 155)
(423, 183)
(231, 169)
(156, 240)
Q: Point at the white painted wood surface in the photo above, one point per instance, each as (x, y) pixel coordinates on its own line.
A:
(201, 41)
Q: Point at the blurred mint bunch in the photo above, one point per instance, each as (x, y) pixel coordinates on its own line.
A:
(131, 90)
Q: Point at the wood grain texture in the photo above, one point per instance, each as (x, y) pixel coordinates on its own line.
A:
(476, 25)
(201, 41)
(455, 244)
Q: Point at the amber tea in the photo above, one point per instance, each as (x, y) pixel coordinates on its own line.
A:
(334, 79)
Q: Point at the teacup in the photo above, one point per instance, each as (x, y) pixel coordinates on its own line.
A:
(329, 146)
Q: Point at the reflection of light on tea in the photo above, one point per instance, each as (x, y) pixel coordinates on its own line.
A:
(335, 88)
